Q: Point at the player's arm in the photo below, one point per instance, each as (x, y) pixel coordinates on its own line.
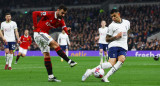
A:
(109, 37)
(66, 29)
(1, 34)
(17, 35)
(36, 14)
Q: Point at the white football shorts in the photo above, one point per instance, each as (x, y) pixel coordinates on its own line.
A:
(43, 40)
(23, 51)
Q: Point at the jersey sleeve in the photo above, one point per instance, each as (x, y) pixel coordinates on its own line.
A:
(110, 30)
(2, 26)
(63, 25)
(36, 14)
(15, 25)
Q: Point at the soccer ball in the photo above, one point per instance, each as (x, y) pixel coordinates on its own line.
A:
(156, 58)
(99, 73)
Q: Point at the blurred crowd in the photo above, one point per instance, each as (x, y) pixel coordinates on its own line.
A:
(85, 22)
(44, 3)
(134, 1)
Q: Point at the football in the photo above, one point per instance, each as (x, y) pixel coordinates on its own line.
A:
(156, 58)
(99, 73)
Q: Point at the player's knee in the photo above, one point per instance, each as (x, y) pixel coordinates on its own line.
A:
(101, 51)
(122, 59)
(23, 55)
(54, 44)
(105, 53)
(46, 55)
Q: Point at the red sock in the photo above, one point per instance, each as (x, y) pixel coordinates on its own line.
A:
(62, 54)
(48, 65)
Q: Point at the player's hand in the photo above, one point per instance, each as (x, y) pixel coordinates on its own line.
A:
(96, 38)
(119, 35)
(29, 47)
(5, 41)
(33, 27)
(69, 30)
(18, 41)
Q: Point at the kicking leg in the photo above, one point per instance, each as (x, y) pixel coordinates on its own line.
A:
(89, 72)
(60, 52)
(119, 63)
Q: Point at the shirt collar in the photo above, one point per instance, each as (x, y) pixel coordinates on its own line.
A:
(25, 36)
(55, 16)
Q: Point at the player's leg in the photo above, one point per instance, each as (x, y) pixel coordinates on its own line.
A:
(62, 47)
(7, 55)
(60, 52)
(105, 48)
(104, 65)
(101, 53)
(10, 60)
(45, 49)
(66, 49)
(11, 48)
(121, 58)
(18, 56)
(48, 65)
(105, 56)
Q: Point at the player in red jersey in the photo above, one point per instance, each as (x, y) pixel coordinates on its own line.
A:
(49, 20)
(25, 42)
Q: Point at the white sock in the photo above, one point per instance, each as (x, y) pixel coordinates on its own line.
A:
(67, 53)
(105, 65)
(10, 59)
(7, 58)
(113, 69)
(50, 76)
(101, 56)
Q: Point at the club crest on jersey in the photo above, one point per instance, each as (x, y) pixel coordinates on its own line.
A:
(50, 20)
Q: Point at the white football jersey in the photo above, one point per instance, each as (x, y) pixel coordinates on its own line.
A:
(102, 35)
(63, 39)
(9, 30)
(114, 29)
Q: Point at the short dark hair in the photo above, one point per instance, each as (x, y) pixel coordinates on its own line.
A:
(114, 11)
(7, 14)
(62, 7)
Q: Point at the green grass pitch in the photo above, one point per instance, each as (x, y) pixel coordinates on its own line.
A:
(30, 71)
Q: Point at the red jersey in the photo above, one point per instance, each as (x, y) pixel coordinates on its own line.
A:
(25, 41)
(48, 21)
